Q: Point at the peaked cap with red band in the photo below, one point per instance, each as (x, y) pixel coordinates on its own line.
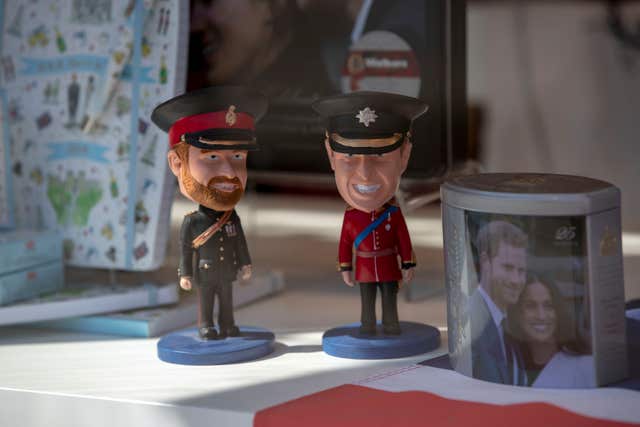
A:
(207, 117)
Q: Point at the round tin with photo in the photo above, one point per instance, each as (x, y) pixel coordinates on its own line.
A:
(535, 291)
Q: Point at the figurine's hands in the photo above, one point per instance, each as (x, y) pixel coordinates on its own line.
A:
(407, 276)
(185, 283)
(347, 277)
(245, 272)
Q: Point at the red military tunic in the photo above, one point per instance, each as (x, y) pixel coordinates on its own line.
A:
(378, 256)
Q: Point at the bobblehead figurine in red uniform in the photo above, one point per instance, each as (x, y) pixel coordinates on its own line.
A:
(368, 143)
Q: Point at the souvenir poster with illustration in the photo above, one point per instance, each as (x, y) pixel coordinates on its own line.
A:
(6, 196)
(81, 78)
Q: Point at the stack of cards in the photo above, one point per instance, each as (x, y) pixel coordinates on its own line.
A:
(30, 264)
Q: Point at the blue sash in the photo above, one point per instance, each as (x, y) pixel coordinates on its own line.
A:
(364, 233)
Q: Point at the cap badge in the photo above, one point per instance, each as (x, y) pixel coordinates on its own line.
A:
(230, 118)
(366, 116)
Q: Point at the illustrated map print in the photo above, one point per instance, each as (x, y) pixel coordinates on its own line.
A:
(81, 79)
(73, 198)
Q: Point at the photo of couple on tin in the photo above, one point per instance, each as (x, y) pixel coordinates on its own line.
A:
(528, 315)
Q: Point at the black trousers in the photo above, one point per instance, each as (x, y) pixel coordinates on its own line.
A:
(207, 296)
(389, 293)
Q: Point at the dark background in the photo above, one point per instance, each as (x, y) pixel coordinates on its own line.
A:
(291, 134)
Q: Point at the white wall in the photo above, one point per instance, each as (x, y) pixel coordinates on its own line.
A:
(562, 95)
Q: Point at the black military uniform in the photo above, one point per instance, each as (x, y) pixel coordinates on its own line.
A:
(214, 265)
(214, 118)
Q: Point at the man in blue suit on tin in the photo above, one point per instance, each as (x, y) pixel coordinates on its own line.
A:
(502, 253)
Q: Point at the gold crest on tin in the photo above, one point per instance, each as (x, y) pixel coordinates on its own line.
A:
(230, 118)
(608, 243)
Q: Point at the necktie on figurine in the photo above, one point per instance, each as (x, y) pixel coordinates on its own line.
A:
(368, 142)
(210, 134)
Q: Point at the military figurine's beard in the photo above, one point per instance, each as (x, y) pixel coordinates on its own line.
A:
(208, 195)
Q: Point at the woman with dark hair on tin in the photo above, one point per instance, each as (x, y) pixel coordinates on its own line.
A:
(553, 353)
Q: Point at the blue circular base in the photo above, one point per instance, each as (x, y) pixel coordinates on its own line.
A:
(185, 347)
(346, 341)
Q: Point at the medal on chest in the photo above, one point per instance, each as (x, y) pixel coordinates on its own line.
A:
(230, 230)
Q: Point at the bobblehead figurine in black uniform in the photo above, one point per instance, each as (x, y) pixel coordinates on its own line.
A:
(210, 133)
(368, 143)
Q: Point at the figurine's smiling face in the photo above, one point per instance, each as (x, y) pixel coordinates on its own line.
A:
(213, 178)
(367, 181)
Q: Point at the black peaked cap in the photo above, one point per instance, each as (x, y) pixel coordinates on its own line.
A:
(367, 116)
(394, 113)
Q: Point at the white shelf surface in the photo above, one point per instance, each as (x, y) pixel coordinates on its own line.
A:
(61, 378)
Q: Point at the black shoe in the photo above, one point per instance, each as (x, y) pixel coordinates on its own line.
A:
(368, 330)
(392, 329)
(208, 333)
(233, 331)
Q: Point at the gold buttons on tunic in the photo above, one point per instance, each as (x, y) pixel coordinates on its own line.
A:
(221, 258)
(221, 249)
